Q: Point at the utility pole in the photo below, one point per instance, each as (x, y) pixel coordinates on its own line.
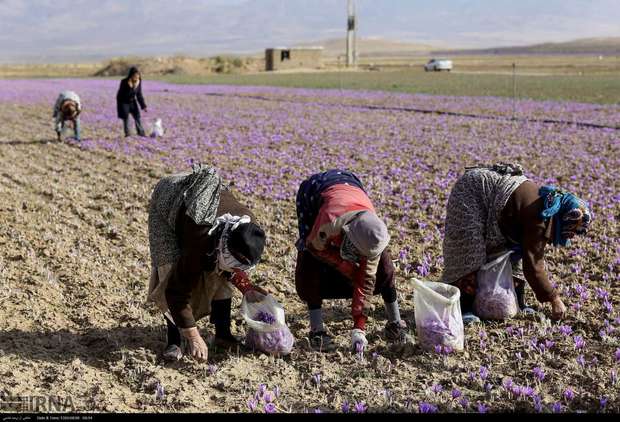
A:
(514, 90)
(351, 34)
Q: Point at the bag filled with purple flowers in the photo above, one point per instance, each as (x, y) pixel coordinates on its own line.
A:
(496, 298)
(438, 315)
(266, 326)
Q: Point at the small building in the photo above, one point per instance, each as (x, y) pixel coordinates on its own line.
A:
(280, 58)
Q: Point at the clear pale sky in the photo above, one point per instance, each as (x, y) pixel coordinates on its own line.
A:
(93, 29)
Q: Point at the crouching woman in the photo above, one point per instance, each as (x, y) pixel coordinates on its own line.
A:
(67, 109)
(343, 253)
(494, 209)
(203, 242)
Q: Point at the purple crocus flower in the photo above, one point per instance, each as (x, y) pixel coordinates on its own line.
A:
(316, 378)
(427, 407)
(484, 372)
(438, 348)
(265, 317)
(346, 407)
(603, 402)
(261, 389)
(464, 402)
(539, 373)
(270, 408)
(456, 393)
(581, 361)
(557, 407)
(159, 392)
(267, 397)
(538, 404)
(360, 407)
(277, 391)
(359, 349)
(317, 410)
(569, 394)
(252, 405)
(549, 344)
(580, 343)
(617, 355)
(482, 408)
(565, 329)
(614, 376)
(437, 388)
(527, 391)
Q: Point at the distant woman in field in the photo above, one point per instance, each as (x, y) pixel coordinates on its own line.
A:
(67, 109)
(129, 100)
(202, 242)
(493, 209)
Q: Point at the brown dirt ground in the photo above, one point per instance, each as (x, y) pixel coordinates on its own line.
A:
(74, 267)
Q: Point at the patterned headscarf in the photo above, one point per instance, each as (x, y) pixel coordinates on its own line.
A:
(226, 261)
(571, 215)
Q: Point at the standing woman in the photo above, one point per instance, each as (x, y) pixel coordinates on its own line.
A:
(128, 97)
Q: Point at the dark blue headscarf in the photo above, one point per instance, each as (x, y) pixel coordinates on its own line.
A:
(570, 214)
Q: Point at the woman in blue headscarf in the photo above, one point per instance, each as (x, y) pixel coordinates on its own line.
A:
(493, 209)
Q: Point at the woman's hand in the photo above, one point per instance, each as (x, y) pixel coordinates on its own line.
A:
(558, 310)
(197, 346)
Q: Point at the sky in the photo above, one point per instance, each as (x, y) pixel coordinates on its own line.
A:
(87, 30)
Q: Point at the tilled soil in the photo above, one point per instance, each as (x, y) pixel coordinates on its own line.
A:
(74, 269)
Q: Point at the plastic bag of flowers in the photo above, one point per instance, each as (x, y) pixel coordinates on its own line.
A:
(266, 326)
(157, 129)
(438, 315)
(496, 298)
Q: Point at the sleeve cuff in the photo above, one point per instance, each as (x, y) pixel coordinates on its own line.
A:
(359, 322)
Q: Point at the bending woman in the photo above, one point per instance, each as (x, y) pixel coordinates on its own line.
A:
(495, 209)
(202, 242)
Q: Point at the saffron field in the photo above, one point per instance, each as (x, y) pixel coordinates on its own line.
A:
(74, 260)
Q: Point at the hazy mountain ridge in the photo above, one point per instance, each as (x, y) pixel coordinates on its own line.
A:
(603, 46)
(87, 30)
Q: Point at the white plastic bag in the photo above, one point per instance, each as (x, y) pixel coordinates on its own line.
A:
(438, 316)
(496, 298)
(157, 129)
(266, 326)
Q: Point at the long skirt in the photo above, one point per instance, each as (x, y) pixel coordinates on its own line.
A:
(472, 232)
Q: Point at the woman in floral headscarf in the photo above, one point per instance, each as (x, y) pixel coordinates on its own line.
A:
(203, 241)
(493, 209)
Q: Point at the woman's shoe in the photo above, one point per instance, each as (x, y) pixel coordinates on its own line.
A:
(470, 318)
(173, 353)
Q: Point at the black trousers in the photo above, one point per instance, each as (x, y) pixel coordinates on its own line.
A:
(135, 113)
(220, 317)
